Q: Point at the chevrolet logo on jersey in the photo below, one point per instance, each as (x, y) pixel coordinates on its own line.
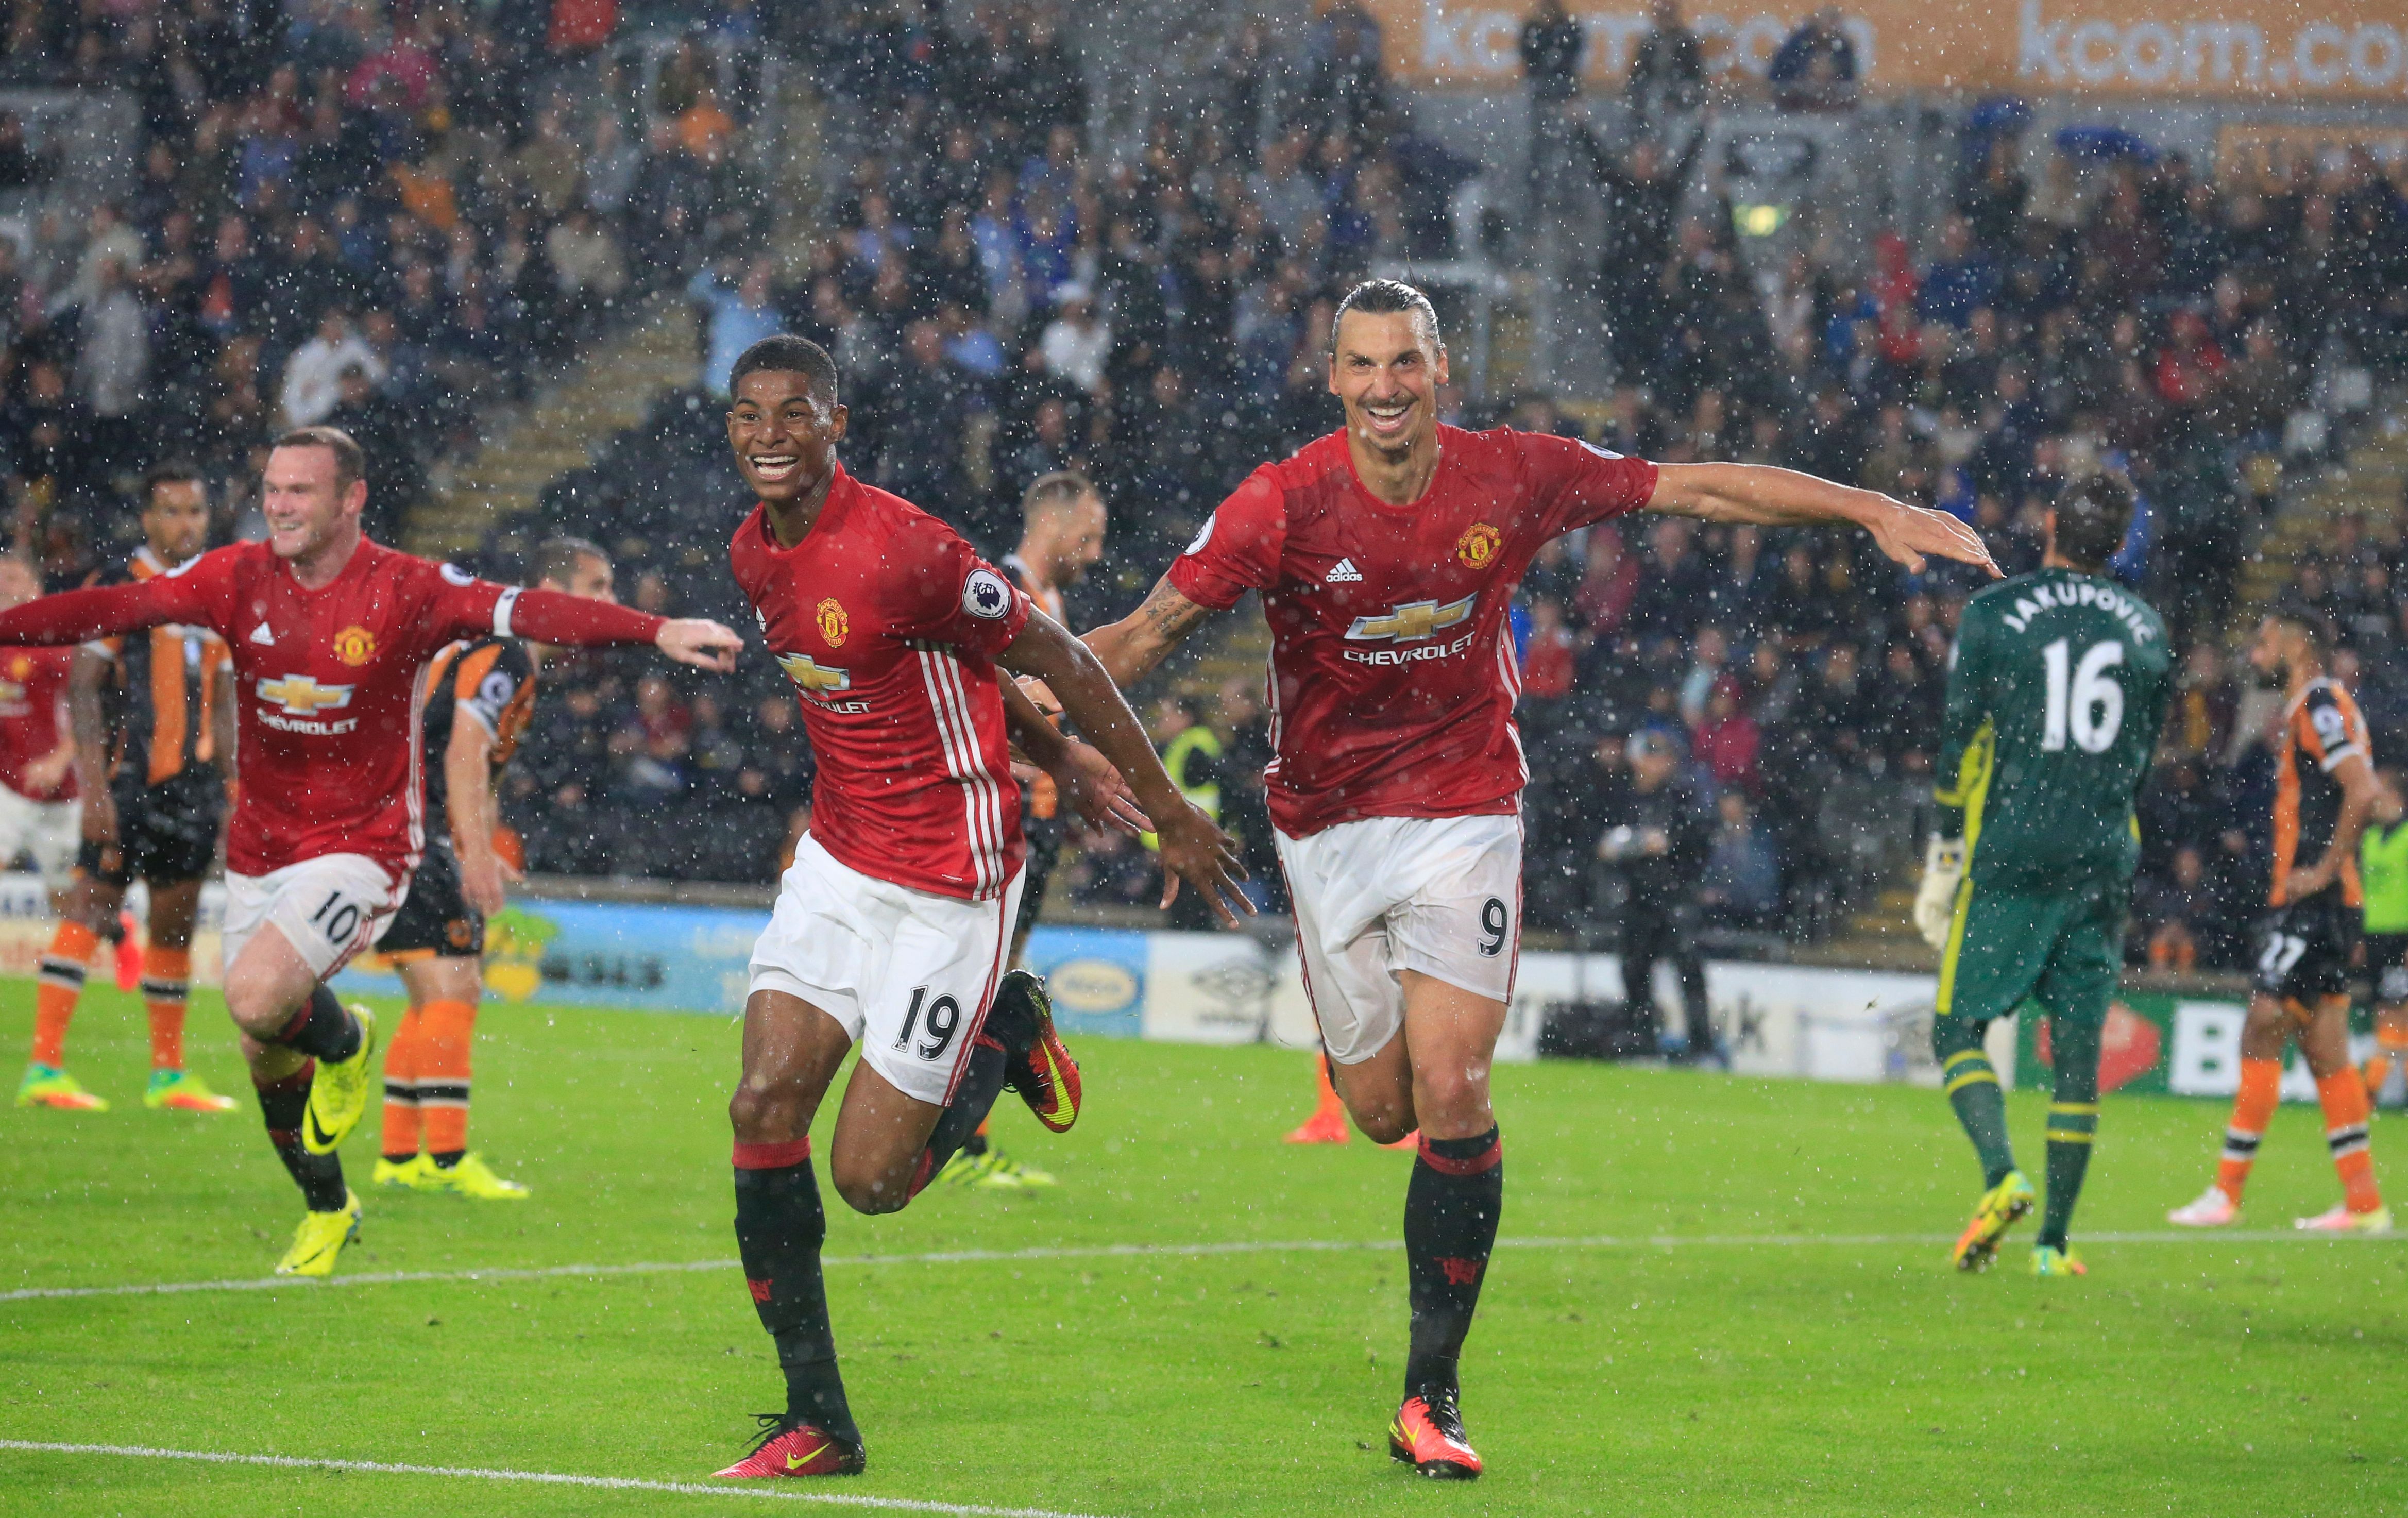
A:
(1413, 619)
(806, 672)
(300, 695)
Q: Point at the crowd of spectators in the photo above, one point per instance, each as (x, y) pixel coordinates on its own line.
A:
(382, 218)
(388, 220)
(1003, 301)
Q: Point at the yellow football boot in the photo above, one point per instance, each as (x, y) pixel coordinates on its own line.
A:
(2048, 1260)
(471, 1178)
(399, 1173)
(47, 1085)
(2000, 1207)
(320, 1239)
(181, 1091)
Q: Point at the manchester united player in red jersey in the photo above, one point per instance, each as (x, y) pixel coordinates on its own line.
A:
(892, 923)
(328, 632)
(1385, 555)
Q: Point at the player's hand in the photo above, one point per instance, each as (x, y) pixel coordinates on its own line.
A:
(704, 644)
(1907, 532)
(1091, 784)
(99, 818)
(1935, 904)
(1196, 852)
(480, 884)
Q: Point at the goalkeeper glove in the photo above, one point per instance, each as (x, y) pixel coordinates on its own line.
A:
(1935, 905)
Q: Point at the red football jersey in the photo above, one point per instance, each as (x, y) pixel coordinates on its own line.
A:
(888, 623)
(1393, 680)
(33, 697)
(326, 683)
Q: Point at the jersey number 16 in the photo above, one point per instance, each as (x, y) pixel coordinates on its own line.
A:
(2081, 699)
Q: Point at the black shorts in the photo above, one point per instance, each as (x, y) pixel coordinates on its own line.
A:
(2386, 966)
(165, 832)
(1044, 838)
(2303, 949)
(435, 920)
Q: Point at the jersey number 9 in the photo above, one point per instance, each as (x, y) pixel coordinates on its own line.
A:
(2089, 705)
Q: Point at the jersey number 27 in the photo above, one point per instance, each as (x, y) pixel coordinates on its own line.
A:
(2082, 700)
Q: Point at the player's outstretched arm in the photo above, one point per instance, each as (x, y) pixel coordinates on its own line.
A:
(1769, 497)
(578, 621)
(1092, 784)
(1193, 848)
(1132, 646)
(101, 611)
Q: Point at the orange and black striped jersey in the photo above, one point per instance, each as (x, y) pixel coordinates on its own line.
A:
(2321, 731)
(489, 682)
(165, 681)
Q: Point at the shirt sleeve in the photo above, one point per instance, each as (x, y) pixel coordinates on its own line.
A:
(1239, 547)
(2330, 729)
(193, 591)
(464, 606)
(1576, 483)
(958, 598)
(484, 686)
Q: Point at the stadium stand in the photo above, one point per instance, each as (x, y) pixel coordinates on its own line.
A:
(1017, 273)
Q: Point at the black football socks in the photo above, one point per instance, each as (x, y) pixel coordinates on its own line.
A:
(779, 1227)
(281, 1105)
(321, 1029)
(1451, 1210)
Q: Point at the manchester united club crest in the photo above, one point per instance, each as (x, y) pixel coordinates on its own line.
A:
(834, 623)
(1477, 545)
(355, 645)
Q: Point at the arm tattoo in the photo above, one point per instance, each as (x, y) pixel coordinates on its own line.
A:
(1169, 615)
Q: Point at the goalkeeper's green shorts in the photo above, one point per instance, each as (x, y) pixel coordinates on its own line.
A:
(2064, 948)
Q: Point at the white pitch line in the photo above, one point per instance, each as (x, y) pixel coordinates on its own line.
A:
(543, 1478)
(1121, 1252)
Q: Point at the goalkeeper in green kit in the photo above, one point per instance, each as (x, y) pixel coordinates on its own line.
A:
(2056, 692)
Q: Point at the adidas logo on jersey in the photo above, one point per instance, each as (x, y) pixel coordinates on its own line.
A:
(1344, 574)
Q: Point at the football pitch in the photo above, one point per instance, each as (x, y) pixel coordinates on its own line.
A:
(1711, 1295)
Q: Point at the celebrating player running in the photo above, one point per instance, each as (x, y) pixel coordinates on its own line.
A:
(328, 632)
(892, 925)
(1385, 557)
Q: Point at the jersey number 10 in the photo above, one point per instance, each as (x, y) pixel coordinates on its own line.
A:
(2081, 699)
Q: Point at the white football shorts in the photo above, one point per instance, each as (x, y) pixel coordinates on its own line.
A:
(328, 908)
(1440, 895)
(49, 831)
(909, 973)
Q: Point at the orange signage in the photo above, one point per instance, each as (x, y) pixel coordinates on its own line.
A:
(2270, 49)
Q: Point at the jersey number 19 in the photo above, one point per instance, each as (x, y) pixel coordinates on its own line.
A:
(2081, 699)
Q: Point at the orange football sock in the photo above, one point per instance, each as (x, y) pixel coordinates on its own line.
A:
(166, 982)
(443, 1074)
(399, 1139)
(2253, 1107)
(2343, 1095)
(58, 989)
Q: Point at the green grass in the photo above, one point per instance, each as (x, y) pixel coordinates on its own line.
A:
(2206, 1376)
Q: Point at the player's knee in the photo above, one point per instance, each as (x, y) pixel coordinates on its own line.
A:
(1952, 1035)
(762, 1108)
(1452, 1093)
(1383, 1126)
(869, 1189)
(253, 1003)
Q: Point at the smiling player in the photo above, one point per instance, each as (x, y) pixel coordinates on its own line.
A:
(892, 925)
(1385, 555)
(329, 634)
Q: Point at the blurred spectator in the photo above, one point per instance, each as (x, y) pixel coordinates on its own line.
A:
(1668, 67)
(1741, 884)
(1815, 68)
